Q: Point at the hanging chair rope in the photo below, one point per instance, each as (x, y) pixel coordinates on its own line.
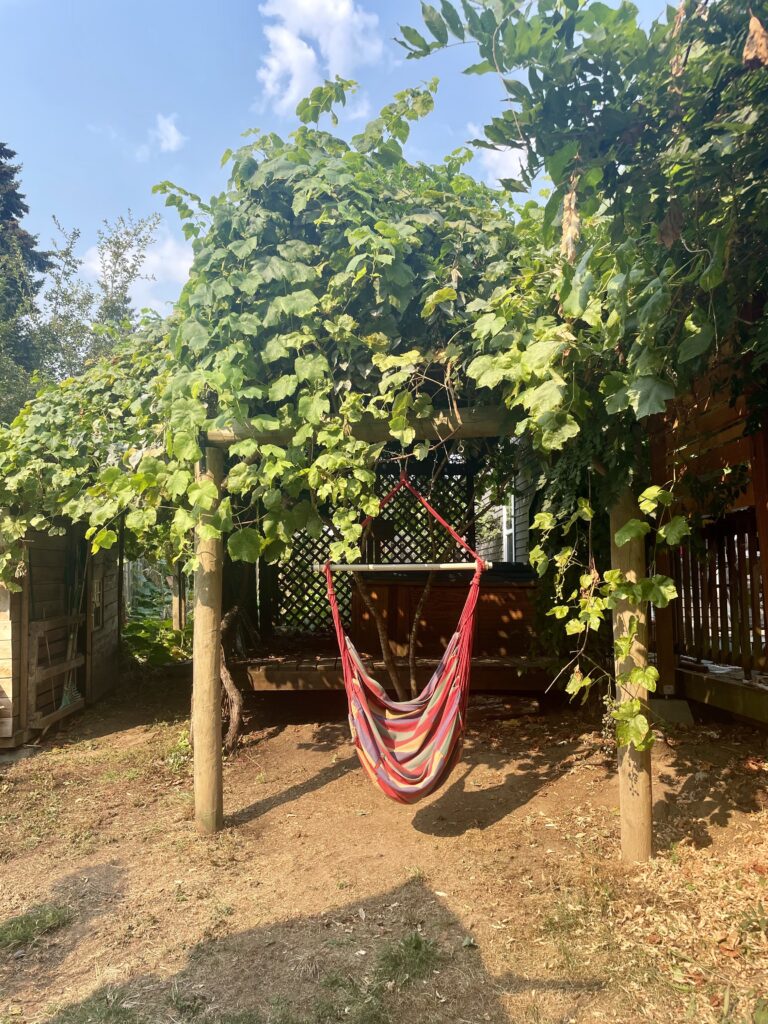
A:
(408, 748)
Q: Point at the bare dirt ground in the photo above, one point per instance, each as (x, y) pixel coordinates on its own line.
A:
(498, 899)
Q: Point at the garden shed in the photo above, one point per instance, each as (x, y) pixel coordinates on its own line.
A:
(58, 633)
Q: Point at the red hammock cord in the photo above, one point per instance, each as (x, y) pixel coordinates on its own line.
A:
(405, 482)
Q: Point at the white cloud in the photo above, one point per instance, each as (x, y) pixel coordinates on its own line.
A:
(167, 264)
(166, 133)
(360, 108)
(496, 163)
(310, 40)
(165, 137)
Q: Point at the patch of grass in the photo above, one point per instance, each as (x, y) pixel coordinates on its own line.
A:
(370, 1011)
(21, 930)
(186, 1006)
(411, 958)
(281, 1013)
(178, 759)
(105, 1008)
(240, 1017)
(755, 921)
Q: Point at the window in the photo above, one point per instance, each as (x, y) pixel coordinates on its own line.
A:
(508, 530)
(97, 604)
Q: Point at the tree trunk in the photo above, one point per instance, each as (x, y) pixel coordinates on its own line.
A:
(233, 696)
(381, 627)
(414, 635)
(635, 797)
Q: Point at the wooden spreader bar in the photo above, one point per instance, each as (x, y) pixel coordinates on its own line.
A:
(404, 567)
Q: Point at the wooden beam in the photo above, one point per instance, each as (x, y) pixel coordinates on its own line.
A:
(635, 800)
(480, 421)
(738, 697)
(206, 681)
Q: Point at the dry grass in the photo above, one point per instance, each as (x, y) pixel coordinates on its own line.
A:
(498, 900)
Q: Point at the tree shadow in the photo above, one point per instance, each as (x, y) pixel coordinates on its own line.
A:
(399, 955)
(530, 753)
(86, 895)
(533, 755)
(324, 777)
(141, 697)
(711, 773)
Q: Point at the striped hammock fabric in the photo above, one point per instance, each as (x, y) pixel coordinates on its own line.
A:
(408, 748)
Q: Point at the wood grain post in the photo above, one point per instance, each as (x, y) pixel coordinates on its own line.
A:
(635, 798)
(206, 680)
(120, 582)
(666, 657)
(24, 647)
(760, 484)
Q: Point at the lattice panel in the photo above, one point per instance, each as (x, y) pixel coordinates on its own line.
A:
(404, 532)
(303, 600)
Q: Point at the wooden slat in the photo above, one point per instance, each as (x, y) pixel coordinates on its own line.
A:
(51, 671)
(722, 588)
(714, 604)
(734, 600)
(43, 625)
(744, 602)
(42, 721)
(732, 454)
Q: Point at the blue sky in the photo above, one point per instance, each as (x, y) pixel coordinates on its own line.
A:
(102, 99)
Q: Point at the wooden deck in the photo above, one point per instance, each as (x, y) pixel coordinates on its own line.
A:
(323, 672)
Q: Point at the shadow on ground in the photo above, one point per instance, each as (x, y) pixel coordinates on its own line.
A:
(400, 956)
(711, 773)
(86, 896)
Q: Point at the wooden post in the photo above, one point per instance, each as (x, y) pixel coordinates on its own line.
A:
(760, 484)
(24, 647)
(206, 680)
(177, 598)
(666, 657)
(635, 802)
(181, 585)
(120, 574)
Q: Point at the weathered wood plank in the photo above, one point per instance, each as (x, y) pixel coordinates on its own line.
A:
(57, 669)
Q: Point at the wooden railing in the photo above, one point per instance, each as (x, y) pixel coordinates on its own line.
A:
(722, 611)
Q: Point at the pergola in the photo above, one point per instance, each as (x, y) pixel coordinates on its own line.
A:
(457, 424)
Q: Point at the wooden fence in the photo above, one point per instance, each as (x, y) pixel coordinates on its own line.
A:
(717, 464)
(721, 615)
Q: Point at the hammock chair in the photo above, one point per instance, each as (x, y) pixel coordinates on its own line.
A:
(408, 748)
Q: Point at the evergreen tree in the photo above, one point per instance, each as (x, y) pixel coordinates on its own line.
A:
(52, 321)
(21, 263)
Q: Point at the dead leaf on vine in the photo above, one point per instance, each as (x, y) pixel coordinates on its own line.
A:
(571, 226)
(671, 227)
(756, 46)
